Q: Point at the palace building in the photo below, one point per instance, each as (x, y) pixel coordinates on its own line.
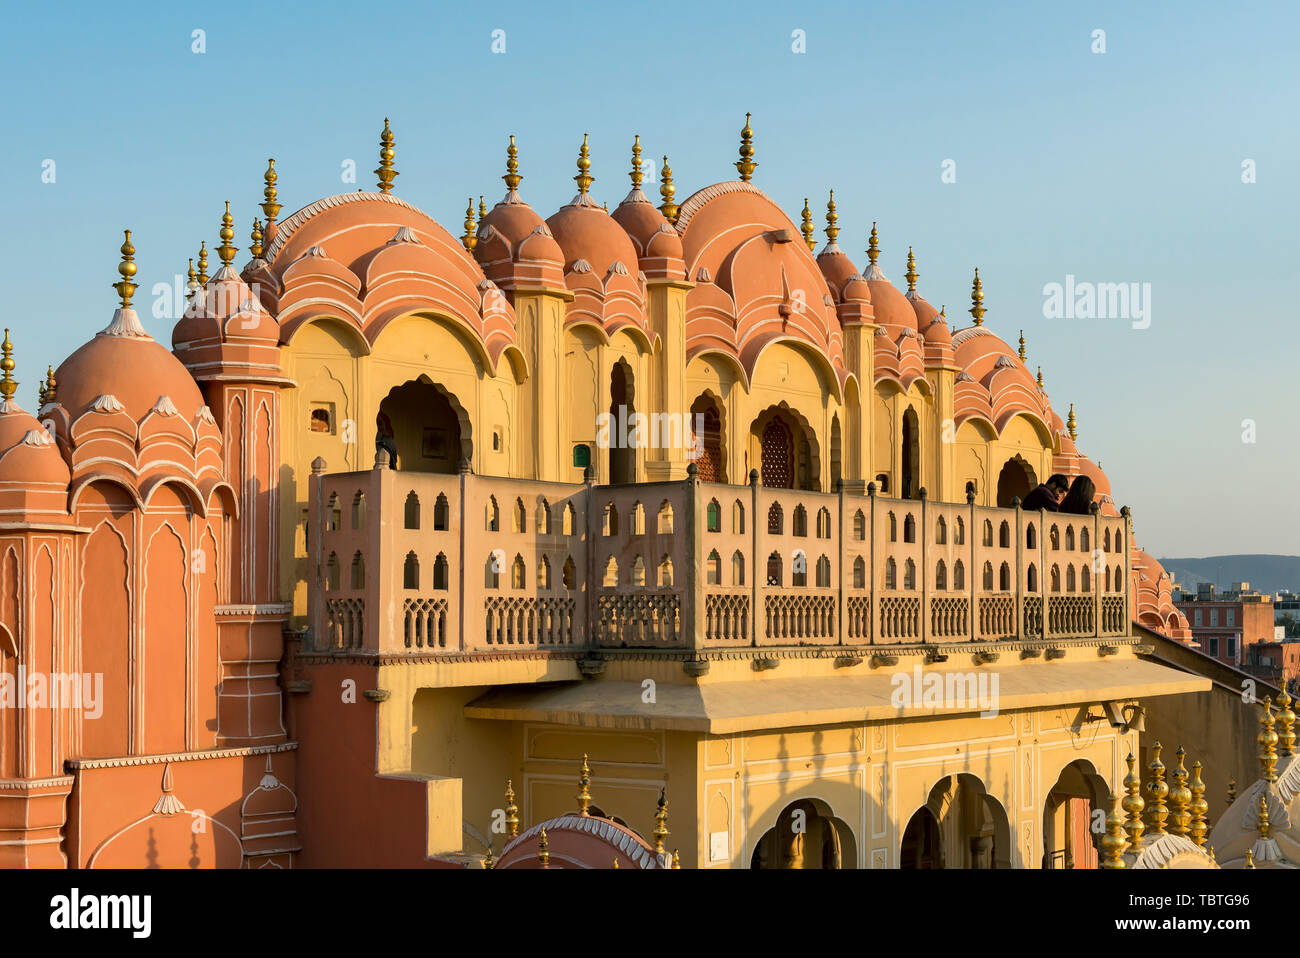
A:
(358, 573)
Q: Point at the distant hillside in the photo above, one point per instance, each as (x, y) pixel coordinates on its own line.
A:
(1264, 573)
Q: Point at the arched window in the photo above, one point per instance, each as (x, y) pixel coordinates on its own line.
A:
(1107, 578)
(544, 573)
(1105, 542)
(940, 531)
(799, 523)
(1084, 540)
(638, 519)
(1031, 537)
(492, 571)
(774, 573)
(609, 526)
(909, 574)
(332, 573)
(664, 522)
(737, 568)
(411, 572)
(517, 573)
(1031, 578)
(958, 575)
(1118, 580)
(823, 523)
(988, 533)
(859, 526)
(1069, 578)
(359, 511)
(940, 575)
(411, 514)
(666, 572)
(440, 572)
(543, 517)
(1054, 537)
(1069, 538)
(441, 514)
(358, 571)
(891, 574)
(713, 569)
(335, 520)
(1085, 579)
(493, 517)
(519, 517)
(1055, 579)
(859, 573)
(1004, 535)
(774, 519)
(713, 516)
(909, 528)
(893, 528)
(1004, 578)
(959, 533)
(568, 519)
(611, 573)
(638, 572)
(799, 569)
(988, 577)
(738, 517)
(823, 572)
(568, 574)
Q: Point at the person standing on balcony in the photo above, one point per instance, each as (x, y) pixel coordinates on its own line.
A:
(1078, 501)
(384, 438)
(1047, 495)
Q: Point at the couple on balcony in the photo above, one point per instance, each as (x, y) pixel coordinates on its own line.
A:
(1048, 496)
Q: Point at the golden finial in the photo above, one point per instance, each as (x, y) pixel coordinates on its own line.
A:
(677, 859)
(832, 230)
(482, 208)
(269, 205)
(615, 865)
(1200, 808)
(125, 287)
(667, 191)
(584, 179)
(1023, 354)
(469, 240)
(191, 281)
(8, 385)
(1157, 791)
(203, 263)
(584, 788)
(873, 244)
(977, 299)
(543, 851)
(50, 392)
(512, 177)
(807, 228)
(1040, 377)
(1268, 742)
(1263, 814)
(227, 233)
(385, 170)
(1286, 718)
(1232, 791)
(512, 812)
(636, 174)
(1133, 804)
(746, 164)
(1180, 798)
(1071, 424)
(255, 239)
(661, 819)
(911, 274)
(1113, 841)
(1250, 858)
(488, 861)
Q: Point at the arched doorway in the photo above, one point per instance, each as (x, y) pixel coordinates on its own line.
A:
(425, 425)
(1072, 829)
(836, 453)
(910, 466)
(959, 826)
(806, 835)
(921, 847)
(706, 417)
(1015, 481)
(622, 454)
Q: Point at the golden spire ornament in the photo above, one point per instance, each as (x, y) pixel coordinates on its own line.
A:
(50, 392)
(543, 851)
(512, 812)
(615, 865)
(677, 859)
(636, 175)
(269, 205)
(1157, 791)
(1268, 742)
(873, 244)
(482, 208)
(203, 263)
(806, 227)
(511, 176)
(1040, 377)
(667, 190)
(1199, 807)
(1286, 719)
(1263, 824)
(385, 170)
(8, 385)
(1250, 858)
(1133, 804)
(191, 281)
(911, 274)
(227, 232)
(661, 820)
(1180, 799)
(1113, 841)
(584, 179)
(255, 239)
(1023, 355)
(746, 164)
(1232, 791)
(1071, 424)
(977, 299)
(469, 240)
(488, 861)
(126, 269)
(832, 219)
(584, 788)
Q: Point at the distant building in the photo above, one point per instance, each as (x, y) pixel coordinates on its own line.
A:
(1226, 624)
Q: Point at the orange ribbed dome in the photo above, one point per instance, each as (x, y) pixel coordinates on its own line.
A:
(28, 454)
(586, 232)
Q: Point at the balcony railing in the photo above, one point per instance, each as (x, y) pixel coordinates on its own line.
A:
(419, 563)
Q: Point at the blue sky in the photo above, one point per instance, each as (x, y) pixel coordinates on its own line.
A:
(1117, 167)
